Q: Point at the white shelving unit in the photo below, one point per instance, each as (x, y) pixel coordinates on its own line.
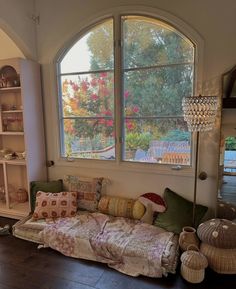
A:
(22, 147)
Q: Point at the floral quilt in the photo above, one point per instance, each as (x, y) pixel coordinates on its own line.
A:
(129, 246)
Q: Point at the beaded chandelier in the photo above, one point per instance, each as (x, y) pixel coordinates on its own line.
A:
(200, 112)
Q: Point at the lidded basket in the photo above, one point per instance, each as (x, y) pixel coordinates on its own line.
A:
(219, 233)
(193, 266)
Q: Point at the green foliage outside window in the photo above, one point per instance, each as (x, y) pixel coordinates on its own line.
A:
(230, 143)
(157, 69)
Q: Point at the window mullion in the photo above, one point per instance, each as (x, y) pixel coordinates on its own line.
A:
(118, 86)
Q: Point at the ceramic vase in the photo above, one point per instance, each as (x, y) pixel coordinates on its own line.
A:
(188, 238)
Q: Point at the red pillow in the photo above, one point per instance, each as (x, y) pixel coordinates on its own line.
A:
(157, 202)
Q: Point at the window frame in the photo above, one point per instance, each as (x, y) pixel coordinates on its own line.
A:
(119, 164)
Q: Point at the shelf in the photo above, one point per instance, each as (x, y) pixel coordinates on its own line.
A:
(21, 130)
(11, 133)
(17, 210)
(14, 162)
(12, 111)
(10, 89)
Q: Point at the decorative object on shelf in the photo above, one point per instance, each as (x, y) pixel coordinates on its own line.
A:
(12, 121)
(193, 266)
(200, 114)
(9, 77)
(10, 156)
(4, 151)
(20, 155)
(21, 195)
(218, 238)
(188, 237)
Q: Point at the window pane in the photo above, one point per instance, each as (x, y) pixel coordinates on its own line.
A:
(90, 139)
(157, 92)
(88, 94)
(94, 51)
(149, 42)
(165, 141)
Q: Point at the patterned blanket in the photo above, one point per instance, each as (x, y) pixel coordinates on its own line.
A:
(129, 246)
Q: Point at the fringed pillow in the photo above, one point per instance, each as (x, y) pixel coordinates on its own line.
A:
(88, 190)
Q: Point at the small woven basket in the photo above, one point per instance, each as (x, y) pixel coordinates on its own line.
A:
(191, 275)
(193, 265)
(220, 260)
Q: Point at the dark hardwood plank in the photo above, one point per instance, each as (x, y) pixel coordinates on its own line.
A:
(46, 260)
(112, 280)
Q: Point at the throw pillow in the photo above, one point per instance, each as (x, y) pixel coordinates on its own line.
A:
(51, 186)
(156, 202)
(121, 207)
(179, 213)
(88, 189)
(55, 205)
(148, 216)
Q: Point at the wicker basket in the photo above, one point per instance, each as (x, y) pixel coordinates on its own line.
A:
(220, 260)
(219, 233)
(193, 266)
(191, 275)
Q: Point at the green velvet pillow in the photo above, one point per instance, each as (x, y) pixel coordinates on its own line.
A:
(179, 213)
(51, 186)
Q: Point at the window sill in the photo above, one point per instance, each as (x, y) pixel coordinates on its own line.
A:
(143, 168)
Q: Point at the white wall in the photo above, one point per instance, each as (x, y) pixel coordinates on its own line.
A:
(215, 21)
(61, 20)
(15, 21)
(8, 48)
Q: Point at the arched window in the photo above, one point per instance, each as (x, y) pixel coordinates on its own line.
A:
(126, 86)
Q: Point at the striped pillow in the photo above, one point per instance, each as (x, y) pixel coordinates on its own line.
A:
(121, 207)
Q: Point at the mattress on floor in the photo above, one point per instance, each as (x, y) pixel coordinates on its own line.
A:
(77, 230)
(29, 229)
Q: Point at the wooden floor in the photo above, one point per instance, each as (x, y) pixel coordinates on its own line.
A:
(23, 266)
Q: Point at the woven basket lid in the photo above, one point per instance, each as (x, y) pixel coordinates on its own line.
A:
(220, 233)
(194, 260)
(226, 210)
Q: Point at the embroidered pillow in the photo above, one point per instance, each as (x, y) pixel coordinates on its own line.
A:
(54, 205)
(88, 189)
(44, 186)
